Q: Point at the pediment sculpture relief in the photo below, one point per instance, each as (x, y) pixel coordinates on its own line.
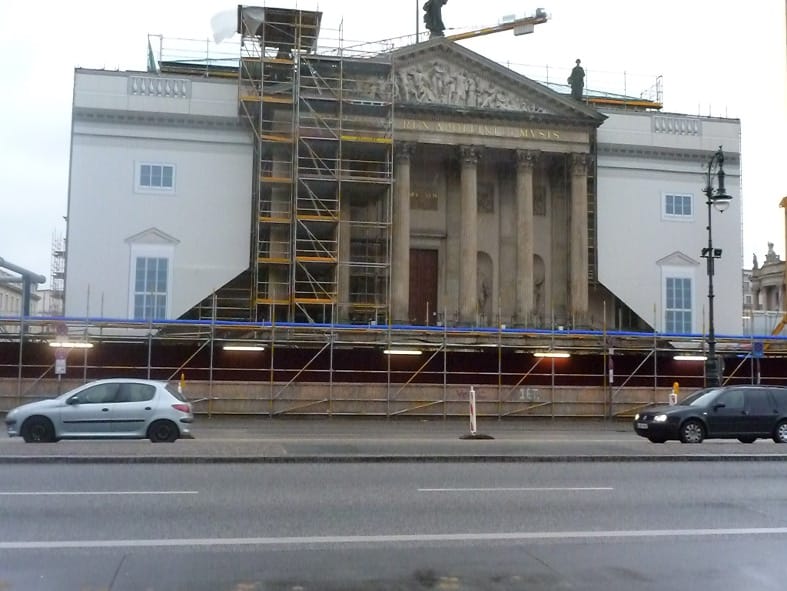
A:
(442, 83)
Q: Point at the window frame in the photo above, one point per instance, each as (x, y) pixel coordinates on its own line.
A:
(153, 189)
(677, 217)
(672, 275)
(150, 251)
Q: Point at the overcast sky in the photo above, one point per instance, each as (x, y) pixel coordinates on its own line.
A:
(716, 57)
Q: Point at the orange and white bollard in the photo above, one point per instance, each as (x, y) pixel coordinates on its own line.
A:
(473, 425)
(673, 396)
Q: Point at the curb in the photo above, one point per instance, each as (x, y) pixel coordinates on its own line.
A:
(384, 459)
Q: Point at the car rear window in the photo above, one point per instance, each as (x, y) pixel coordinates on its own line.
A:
(780, 396)
(173, 389)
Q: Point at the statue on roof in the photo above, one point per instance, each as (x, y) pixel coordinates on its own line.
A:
(754, 264)
(771, 256)
(433, 18)
(577, 81)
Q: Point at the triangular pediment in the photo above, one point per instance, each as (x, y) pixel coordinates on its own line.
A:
(677, 259)
(442, 73)
(152, 236)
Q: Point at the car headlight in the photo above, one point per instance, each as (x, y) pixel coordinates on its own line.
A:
(660, 419)
(636, 417)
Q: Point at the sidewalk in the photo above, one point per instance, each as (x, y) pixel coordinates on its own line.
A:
(340, 439)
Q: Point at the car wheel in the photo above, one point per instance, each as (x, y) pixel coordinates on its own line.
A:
(656, 439)
(692, 431)
(747, 439)
(780, 432)
(38, 430)
(163, 431)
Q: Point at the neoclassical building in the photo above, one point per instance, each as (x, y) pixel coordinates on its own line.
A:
(423, 185)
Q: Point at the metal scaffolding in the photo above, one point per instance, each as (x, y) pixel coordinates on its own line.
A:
(322, 118)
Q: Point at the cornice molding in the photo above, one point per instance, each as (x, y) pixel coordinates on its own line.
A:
(118, 117)
(658, 153)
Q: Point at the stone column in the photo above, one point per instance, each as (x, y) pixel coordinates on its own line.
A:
(579, 237)
(400, 256)
(525, 161)
(468, 236)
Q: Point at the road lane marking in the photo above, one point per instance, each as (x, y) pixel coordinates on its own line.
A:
(523, 489)
(395, 538)
(95, 492)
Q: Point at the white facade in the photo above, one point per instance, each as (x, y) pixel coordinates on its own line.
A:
(653, 217)
(160, 192)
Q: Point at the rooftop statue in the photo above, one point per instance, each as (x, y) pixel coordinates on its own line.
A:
(433, 18)
(577, 81)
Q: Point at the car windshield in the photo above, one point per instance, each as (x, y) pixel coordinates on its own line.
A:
(700, 398)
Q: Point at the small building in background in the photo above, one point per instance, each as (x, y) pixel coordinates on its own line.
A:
(766, 294)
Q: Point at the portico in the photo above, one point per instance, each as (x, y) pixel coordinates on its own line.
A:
(499, 195)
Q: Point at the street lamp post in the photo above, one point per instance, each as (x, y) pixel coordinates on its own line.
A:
(718, 199)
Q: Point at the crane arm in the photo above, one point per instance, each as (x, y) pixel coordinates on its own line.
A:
(520, 26)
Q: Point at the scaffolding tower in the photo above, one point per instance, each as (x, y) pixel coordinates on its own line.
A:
(323, 177)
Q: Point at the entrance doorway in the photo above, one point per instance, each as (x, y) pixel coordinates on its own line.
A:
(423, 287)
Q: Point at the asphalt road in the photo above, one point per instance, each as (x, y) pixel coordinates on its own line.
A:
(249, 440)
(445, 526)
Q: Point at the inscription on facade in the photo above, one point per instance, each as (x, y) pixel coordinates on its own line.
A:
(535, 133)
(423, 200)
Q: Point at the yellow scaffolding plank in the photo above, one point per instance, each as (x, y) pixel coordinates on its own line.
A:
(367, 139)
(285, 100)
(314, 300)
(318, 218)
(276, 179)
(273, 260)
(255, 98)
(284, 139)
(315, 259)
(274, 301)
(274, 220)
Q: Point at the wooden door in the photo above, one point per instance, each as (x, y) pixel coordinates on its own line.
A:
(423, 287)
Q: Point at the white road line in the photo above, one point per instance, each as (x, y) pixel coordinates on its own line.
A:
(522, 489)
(96, 492)
(389, 539)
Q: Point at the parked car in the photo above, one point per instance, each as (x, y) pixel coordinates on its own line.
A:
(742, 412)
(122, 408)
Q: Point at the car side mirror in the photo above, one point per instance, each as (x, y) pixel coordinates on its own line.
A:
(73, 400)
(718, 406)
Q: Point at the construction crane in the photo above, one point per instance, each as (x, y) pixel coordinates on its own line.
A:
(520, 26)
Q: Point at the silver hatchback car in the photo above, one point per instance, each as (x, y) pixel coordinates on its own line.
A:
(121, 408)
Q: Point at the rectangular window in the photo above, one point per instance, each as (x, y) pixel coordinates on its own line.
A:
(680, 206)
(678, 308)
(150, 288)
(155, 177)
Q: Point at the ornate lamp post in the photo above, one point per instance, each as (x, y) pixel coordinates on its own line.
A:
(718, 199)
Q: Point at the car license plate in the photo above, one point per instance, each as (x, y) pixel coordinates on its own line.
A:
(642, 425)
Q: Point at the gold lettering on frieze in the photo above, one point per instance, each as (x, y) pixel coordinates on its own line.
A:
(423, 200)
(535, 133)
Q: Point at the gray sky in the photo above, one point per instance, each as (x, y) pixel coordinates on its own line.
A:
(716, 57)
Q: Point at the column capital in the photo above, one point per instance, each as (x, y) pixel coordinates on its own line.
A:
(404, 150)
(470, 154)
(527, 158)
(580, 163)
